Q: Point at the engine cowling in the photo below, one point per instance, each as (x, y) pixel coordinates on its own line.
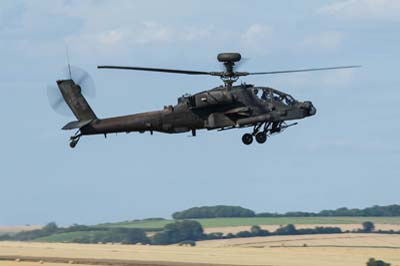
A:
(212, 98)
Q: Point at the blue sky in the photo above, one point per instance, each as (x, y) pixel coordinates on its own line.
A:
(346, 155)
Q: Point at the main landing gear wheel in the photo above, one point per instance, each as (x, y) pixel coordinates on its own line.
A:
(247, 139)
(261, 137)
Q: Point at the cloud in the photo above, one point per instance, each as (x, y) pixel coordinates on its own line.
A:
(384, 10)
(121, 39)
(110, 37)
(257, 37)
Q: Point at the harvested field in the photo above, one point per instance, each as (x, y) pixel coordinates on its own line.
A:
(327, 250)
(272, 228)
(16, 229)
(30, 263)
(233, 222)
(381, 241)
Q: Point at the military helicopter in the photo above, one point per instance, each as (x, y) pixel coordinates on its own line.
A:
(225, 107)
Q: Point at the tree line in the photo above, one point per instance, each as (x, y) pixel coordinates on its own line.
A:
(184, 232)
(213, 212)
(221, 211)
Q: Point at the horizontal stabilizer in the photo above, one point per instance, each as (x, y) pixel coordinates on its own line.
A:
(77, 124)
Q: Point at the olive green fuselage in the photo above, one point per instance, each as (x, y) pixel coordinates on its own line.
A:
(219, 108)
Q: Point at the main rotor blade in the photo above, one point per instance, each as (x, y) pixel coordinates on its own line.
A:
(299, 70)
(165, 70)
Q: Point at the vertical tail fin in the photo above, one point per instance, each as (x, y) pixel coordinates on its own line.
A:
(72, 95)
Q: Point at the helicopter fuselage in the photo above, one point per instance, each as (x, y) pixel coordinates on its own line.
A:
(218, 108)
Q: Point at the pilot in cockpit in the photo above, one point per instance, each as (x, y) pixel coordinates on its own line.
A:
(264, 96)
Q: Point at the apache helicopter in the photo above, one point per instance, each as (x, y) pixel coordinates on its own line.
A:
(264, 109)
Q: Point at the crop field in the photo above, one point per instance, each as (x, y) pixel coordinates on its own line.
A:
(16, 229)
(224, 222)
(383, 241)
(311, 250)
(271, 228)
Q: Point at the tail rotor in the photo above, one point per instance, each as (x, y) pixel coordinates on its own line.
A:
(81, 78)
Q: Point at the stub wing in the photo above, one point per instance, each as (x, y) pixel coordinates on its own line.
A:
(77, 124)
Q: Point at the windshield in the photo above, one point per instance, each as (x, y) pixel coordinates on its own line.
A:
(267, 94)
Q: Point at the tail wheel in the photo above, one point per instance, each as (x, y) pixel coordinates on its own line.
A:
(261, 137)
(73, 143)
(74, 140)
(247, 139)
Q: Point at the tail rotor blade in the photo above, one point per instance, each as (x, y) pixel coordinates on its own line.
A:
(56, 100)
(83, 79)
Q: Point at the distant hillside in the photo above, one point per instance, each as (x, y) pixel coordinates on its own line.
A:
(214, 212)
(142, 231)
(222, 211)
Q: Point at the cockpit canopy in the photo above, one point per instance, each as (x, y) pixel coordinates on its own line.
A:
(270, 94)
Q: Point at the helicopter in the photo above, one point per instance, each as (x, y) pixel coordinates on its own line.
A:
(266, 110)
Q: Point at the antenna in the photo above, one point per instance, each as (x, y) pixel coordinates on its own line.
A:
(69, 66)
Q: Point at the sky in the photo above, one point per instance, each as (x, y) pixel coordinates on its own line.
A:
(346, 155)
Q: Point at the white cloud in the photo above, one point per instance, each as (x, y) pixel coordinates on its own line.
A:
(328, 40)
(257, 37)
(153, 32)
(121, 39)
(364, 9)
(111, 37)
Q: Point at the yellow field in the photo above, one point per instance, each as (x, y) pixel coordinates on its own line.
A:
(310, 250)
(381, 241)
(16, 229)
(13, 263)
(272, 228)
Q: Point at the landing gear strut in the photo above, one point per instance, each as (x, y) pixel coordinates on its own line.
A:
(261, 136)
(267, 129)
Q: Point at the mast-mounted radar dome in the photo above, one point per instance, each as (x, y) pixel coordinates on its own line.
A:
(229, 57)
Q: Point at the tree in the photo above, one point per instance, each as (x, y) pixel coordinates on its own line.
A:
(50, 227)
(213, 212)
(368, 227)
(257, 231)
(289, 229)
(178, 232)
(244, 234)
(373, 262)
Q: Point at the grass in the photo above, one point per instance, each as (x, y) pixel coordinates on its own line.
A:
(146, 225)
(66, 237)
(225, 222)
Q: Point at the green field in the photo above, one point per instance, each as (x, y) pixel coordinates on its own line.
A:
(224, 222)
(66, 237)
